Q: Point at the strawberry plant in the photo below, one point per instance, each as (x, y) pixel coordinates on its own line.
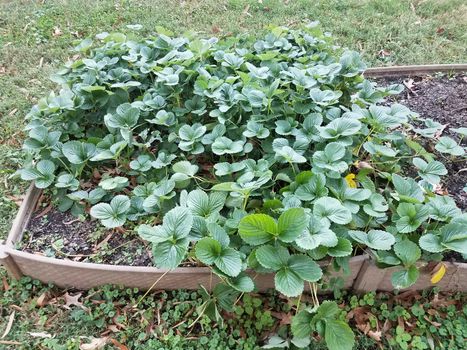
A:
(243, 154)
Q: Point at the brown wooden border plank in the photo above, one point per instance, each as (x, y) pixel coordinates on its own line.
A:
(395, 71)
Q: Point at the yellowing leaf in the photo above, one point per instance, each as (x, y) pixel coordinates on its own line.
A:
(438, 275)
(350, 178)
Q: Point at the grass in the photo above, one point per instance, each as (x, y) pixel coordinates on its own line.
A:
(36, 37)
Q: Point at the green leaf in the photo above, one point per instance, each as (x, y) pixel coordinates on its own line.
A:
(376, 149)
(288, 154)
(338, 335)
(431, 171)
(317, 233)
(408, 189)
(288, 283)
(143, 163)
(374, 239)
(328, 310)
(186, 168)
(405, 278)
(223, 145)
(257, 229)
(343, 248)
(314, 188)
(126, 117)
(407, 251)
(114, 183)
(431, 243)
(242, 283)
(42, 174)
(67, 181)
(204, 205)
(332, 209)
(229, 262)
(291, 224)
(272, 257)
(78, 152)
(340, 127)
(207, 250)
(178, 222)
(113, 214)
(305, 268)
(331, 158)
(169, 254)
(154, 234)
(448, 145)
(454, 237)
(301, 324)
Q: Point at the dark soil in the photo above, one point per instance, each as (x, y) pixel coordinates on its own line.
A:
(63, 236)
(443, 99)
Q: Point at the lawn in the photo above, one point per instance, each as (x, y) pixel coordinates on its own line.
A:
(36, 37)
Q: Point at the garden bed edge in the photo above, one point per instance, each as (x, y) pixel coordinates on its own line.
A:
(364, 275)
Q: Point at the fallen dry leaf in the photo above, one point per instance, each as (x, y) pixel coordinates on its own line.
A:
(42, 300)
(40, 335)
(94, 344)
(6, 286)
(434, 323)
(57, 31)
(438, 273)
(384, 53)
(375, 335)
(71, 300)
(118, 344)
(9, 324)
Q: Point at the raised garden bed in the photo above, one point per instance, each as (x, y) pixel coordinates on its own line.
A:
(357, 152)
(365, 276)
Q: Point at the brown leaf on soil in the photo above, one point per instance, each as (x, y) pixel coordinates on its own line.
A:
(400, 322)
(118, 344)
(42, 300)
(434, 323)
(386, 326)
(375, 335)
(438, 302)
(245, 11)
(96, 174)
(11, 319)
(71, 300)
(94, 344)
(6, 286)
(285, 318)
(438, 189)
(40, 335)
